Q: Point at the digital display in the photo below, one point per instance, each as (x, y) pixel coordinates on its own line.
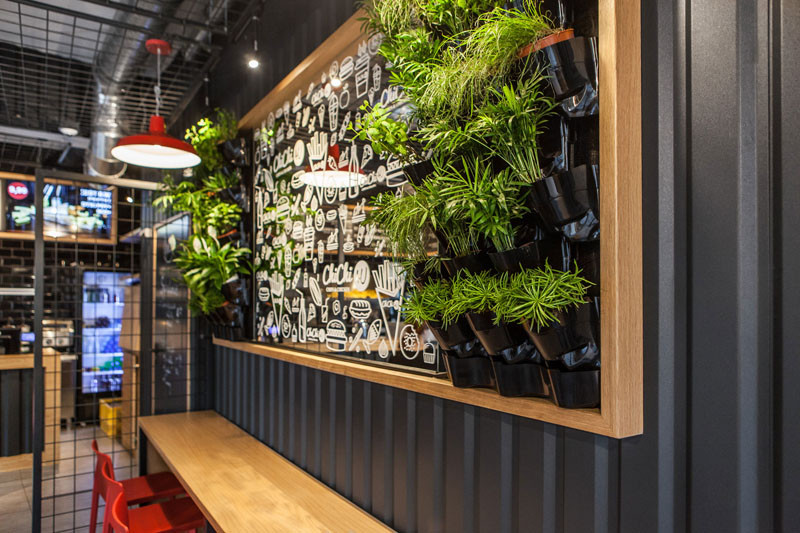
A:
(68, 209)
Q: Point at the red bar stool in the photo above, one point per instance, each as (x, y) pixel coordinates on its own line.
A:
(172, 516)
(138, 490)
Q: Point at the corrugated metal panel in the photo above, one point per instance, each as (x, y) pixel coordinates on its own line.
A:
(16, 395)
(721, 152)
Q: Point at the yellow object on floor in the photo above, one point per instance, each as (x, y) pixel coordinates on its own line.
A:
(109, 416)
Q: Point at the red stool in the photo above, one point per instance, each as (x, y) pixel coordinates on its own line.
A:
(138, 490)
(175, 515)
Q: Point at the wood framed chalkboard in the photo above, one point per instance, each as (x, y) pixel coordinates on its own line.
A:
(335, 245)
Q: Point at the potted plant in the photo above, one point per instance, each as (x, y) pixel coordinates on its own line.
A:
(475, 295)
(467, 363)
(389, 135)
(428, 305)
(568, 60)
(562, 323)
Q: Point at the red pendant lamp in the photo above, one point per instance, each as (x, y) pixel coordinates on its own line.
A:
(156, 149)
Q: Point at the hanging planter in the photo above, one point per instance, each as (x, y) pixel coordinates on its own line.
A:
(514, 260)
(476, 263)
(577, 389)
(568, 201)
(495, 337)
(524, 379)
(469, 366)
(573, 340)
(234, 151)
(455, 334)
(568, 60)
(235, 291)
(523, 352)
(417, 172)
(587, 256)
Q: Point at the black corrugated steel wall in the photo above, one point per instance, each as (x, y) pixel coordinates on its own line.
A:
(16, 395)
(722, 322)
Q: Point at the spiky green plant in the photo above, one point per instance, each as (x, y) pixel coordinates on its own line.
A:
(475, 293)
(428, 303)
(536, 295)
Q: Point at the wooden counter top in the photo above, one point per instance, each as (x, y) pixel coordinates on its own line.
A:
(242, 485)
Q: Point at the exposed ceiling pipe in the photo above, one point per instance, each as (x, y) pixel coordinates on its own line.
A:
(118, 55)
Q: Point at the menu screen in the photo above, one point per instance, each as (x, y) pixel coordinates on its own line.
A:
(68, 209)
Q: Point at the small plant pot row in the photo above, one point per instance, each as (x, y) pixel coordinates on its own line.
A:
(553, 251)
(561, 361)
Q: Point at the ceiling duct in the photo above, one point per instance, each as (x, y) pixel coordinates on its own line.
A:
(118, 57)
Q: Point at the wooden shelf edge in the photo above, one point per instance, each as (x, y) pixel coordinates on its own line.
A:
(589, 420)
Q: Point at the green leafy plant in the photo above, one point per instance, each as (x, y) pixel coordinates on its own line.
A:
(490, 201)
(475, 293)
(514, 121)
(219, 181)
(536, 295)
(207, 134)
(428, 303)
(385, 133)
(206, 267)
(209, 214)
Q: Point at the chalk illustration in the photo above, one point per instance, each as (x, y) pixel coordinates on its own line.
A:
(360, 309)
(409, 342)
(346, 68)
(430, 353)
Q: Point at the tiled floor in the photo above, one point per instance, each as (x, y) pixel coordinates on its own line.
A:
(66, 485)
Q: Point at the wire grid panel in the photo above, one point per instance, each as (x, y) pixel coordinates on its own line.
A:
(91, 308)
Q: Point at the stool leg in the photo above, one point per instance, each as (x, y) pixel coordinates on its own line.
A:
(93, 512)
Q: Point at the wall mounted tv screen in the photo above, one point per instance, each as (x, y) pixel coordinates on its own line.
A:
(78, 211)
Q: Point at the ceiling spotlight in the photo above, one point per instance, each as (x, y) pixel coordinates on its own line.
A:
(253, 61)
(129, 199)
(70, 131)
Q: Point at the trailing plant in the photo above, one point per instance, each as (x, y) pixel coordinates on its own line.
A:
(536, 295)
(490, 201)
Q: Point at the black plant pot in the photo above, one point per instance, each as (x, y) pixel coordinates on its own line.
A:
(232, 236)
(230, 195)
(474, 263)
(573, 341)
(457, 333)
(495, 337)
(516, 259)
(470, 372)
(587, 255)
(569, 63)
(417, 172)
(525, 379)
(568, 200)
(235, 292)
(521, 353)
(550, 141)
(579, 389)
(234, 151)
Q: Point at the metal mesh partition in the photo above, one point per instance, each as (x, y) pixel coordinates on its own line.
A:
(114, 341)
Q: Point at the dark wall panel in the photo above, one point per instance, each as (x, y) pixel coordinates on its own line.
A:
(721, 112)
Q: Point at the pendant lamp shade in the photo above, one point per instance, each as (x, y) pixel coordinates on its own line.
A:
(156, 149)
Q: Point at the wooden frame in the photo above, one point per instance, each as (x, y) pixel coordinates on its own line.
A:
(29, 235)
(620, 414)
